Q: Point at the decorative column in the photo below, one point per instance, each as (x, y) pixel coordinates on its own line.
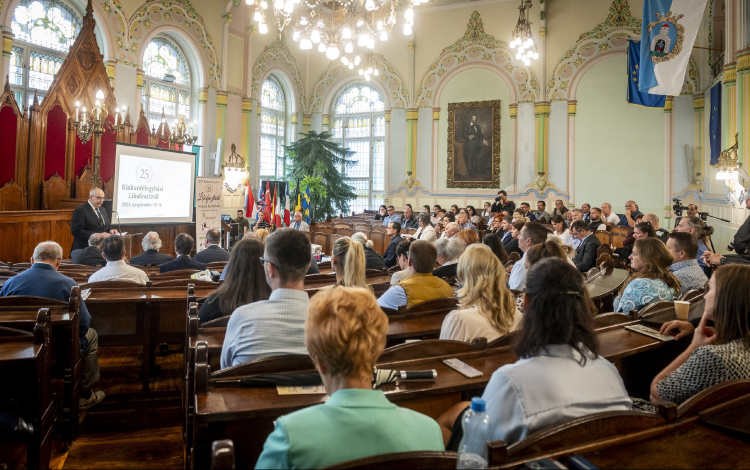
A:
(110, 66)
(293, 135)
(541, 143)
(412, 116)
(306, 123)
(387, 154)
(668, 158)
(699, 103)
(7, 50)
(572, 105)
(514, 140)
(203, 128)
(743, 101)
(139, 87)
(247, 109)
(221, 120)
(435, 144)
(324, 122)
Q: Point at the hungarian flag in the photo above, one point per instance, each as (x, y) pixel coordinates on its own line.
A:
(249, 199)
(287, 218)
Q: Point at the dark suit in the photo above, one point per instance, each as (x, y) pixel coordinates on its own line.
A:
(89, 256)
(181, 262)
(313, 269)
(152, 257)
(211, 254)
(511, 244)
(446, 271)
(390, 253)
(586, 253)
(85, 223)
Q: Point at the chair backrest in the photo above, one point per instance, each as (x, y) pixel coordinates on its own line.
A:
(268, 365)
(12, 197)
(506, 340)
(77, 267)
(604, 249)
(344, 231)
(216, 322)
(604, 237)
(708, 398)
(378, 241)
(322, 240)
(325, 229)
(110, 285)
(186, 273)
(692, 295)
(378, 226)
(416, 460)
(380, 288)
(216, 264)
(609, 319)
(360, 227)
(656, 311)
(424, 349)
(618, 239)
(619, 229)
(434, 305)
(54, 190)
(183, 282)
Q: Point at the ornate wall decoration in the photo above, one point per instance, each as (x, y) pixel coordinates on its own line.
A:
(388, 77)
(277, 55)
(476, 46)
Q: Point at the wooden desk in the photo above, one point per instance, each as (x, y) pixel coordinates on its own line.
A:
(246, 415)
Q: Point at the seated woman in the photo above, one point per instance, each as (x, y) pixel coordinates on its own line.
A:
(348, 262)
(561, 230)
(244, 282)
(497, 247)
(345, 334)
(496, 225)
(402, 258)
(640, 231)
(717, 353)
(651, 281)
(473, 216)
(559, 375)
(373, 259)
(468, 236)
(382, 213)
(487, 309)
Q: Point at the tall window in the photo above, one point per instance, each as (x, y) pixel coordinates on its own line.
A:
(166, 83)
(359, 124)
(44, 30)
(272, 129)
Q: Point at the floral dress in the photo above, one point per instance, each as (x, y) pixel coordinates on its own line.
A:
(641, 292)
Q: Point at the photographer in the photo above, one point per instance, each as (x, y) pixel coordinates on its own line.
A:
(502, 203)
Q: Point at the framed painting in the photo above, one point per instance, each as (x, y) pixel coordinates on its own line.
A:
(474, 144)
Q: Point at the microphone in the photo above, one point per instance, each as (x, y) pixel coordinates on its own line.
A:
(418, 374)
(119, 227)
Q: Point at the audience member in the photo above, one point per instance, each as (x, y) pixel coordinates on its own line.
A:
(586, 253)
(651, 280)
(468, 236)
(391, 217)
(345, 333)
(487, 212)
(275, 326)
(512, 244)
(402, 256)
(561, 230)
(496, 226)
(569, 218)
(43, 280)
(243, 223)
(113, 249)
(684, 249)
(300, 224)
(454, 209)
(448, 252)
(262, 223)
(607, 214)
(586, 211)
(526, 210)
(530, 235)
(425, 230)
(502, 203)
(183, 246)
(421, 286)
(473, 216)
(151, 244)
(393, 230)
(245, 282)
(696, 227)
(640, 231)
(559, 375)
(409, 221)
(659, 233)
(560, 209)
(382, 213)
(213, 251)
(373, 259)
(595, 220)
(541, 213)
(520, 216)
(92, 254)
(716, 354)
(546, 249)
(631, 211)
(486, 308)
(462, 219)
(451, 230)
(348, 262)
(497, 247)
(692, 210)
(261, 234)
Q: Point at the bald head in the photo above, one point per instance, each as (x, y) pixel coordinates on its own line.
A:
(652, 219)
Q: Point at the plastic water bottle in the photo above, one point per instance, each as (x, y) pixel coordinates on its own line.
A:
(472, 452)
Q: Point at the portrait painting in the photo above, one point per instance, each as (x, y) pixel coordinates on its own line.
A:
(474, 144)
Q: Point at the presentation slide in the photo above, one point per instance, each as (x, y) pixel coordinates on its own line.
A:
(153, 185)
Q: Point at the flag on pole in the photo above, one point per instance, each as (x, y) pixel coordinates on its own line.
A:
(287, 218)
(714, 124)
(268, 206)
(635, 96)
(306, 204)
(249, 199)
(667, 38)
(273, 206)
(279, 208)
(298, 200)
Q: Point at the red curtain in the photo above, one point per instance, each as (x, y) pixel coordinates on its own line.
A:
(8, 123)
(107, 170)
(142, 137)
(54, 158)
(83, 156)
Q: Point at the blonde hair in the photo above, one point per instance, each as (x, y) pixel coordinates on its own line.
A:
(345, 331)
(483, 279)
(351, 259)
(362, 238)
(262, 234)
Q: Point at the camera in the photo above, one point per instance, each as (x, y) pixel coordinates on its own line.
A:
(678, 207)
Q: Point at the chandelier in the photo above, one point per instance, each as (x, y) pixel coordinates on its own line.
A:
(522, 37)
(729, 167)
(335, 26)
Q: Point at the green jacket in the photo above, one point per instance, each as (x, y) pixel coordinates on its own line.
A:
(352, 424)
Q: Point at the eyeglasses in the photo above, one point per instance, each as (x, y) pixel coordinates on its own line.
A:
(98, 198)
(264, 261)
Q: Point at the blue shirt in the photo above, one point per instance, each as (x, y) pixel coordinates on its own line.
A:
(43, 280)
(266, 328)
(388, 219)
(702, 248)
(641, 292)
(393, 298)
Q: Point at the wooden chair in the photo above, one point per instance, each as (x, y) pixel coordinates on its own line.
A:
(619, 229)
(604, 237)
(506, 340)
(325, 229)
(448, 303)
(692, 295)
(424, 349)
(344, 231)
(378, 241)
(378, 227)
(180, 273)
(182, 282)
(605, 249)
(609, 319)
(322, 240)
(54, 190)
(217, 265)
(77, 267)
(332, 241)
(361, 228)
(116, 284)
(416, 460)
(217, 322)
(719, 394)
(268, 365)
(12, 197)
(618, 239)
(656, 311)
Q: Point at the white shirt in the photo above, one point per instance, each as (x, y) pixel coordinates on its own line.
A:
(399, 276)
(119, 271)
(563, 236)
(611, 218)
(429, 234)
(517, 280)
(551, 388)
(467, 324)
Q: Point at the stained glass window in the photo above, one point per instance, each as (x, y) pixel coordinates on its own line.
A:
(359, 124)
(167, 84)
(272, 129)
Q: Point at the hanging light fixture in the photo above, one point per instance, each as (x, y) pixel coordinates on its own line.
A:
(521, 36)
(729, 166)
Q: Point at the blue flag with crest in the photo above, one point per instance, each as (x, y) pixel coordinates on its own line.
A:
(635, 96)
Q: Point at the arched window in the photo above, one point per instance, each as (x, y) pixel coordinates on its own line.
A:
(166, 83)
(43, 32)
(272, 129)
(359, 124)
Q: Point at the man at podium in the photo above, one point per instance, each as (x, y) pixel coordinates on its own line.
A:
(89, 218)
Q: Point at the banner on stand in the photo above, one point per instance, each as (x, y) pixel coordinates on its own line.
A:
(207, 208)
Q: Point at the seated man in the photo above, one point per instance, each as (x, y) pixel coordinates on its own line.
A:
(300, 224)
(92, 254)
(661, 234)
(262, 222)
(394, 230)
(448, 252)
(684, 249)
(345, 334)
(451, 230)
(113, 249)
(532, 233)
(409, 221)
(213, 251)
(462, 219)
(183, 246)
(275, 326)
(541, 213)
(43, 280)
(421, 286)
(607, 214)
(151, 245)
(595, 220)
(526, 208)
(631, 211)
(586, 253)
(695, 227)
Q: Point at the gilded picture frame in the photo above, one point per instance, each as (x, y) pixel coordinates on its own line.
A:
(474, 144)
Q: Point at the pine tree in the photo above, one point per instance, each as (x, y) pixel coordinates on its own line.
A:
(317, 158)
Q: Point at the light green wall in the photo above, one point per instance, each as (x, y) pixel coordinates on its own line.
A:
(475, 85)
(619, 147)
